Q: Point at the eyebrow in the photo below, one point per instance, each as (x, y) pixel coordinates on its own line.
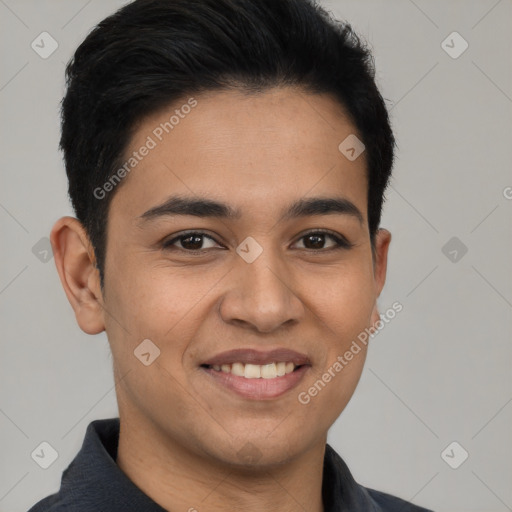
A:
(200, 207)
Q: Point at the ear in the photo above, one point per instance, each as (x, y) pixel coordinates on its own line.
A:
(380, 263)
(74, 257)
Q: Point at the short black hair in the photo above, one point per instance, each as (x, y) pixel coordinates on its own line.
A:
(152, 53)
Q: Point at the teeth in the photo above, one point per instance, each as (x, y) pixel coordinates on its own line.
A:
(256, 371)
(269, 371)
(238, 369)
(252, 371)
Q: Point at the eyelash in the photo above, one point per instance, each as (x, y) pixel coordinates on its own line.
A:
(341, 242)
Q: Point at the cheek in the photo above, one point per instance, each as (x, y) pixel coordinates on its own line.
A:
(160, 307)
(167, 306)
(343, 312)
(344, 302)
(152, 300)
(343, 308)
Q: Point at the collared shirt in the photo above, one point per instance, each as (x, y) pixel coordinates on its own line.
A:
(93, 482)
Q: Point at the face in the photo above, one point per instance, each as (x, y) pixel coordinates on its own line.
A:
(281, 262)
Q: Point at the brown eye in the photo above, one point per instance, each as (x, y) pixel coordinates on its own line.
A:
(314, 241)
(190, 242)
(317, 239)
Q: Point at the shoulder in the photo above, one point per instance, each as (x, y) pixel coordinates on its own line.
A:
(51, 503)
(388, 503)
(340, 487)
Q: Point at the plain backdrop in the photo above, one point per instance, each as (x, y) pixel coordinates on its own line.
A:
(439, 373)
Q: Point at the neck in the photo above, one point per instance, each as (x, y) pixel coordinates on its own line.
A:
(179, 479)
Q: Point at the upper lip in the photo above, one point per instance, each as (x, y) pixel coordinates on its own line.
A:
(258, 357)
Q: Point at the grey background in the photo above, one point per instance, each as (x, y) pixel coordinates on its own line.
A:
(439, 372)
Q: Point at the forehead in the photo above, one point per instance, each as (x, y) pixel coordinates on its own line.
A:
(244, 149)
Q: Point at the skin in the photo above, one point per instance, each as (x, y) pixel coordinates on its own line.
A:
(180, 432)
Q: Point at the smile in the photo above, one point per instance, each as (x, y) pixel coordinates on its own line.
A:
(256, 382)
(256, 371)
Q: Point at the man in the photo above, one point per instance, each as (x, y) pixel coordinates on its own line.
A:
(227, 162)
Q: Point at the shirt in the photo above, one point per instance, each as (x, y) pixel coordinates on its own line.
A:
(93, 482)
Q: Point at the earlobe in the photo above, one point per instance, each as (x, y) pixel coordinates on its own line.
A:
(375, 317)
(75, 262)
(382, 241)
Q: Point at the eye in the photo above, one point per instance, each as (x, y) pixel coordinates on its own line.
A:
(197, 241)
(193, 241)
(315, 240)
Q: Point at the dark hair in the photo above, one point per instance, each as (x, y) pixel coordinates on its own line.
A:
(151, 53)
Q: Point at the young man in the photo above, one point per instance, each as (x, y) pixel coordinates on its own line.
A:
(227, 162)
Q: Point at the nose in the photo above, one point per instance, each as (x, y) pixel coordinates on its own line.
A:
(261, 296)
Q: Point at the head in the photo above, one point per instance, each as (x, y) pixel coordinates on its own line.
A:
(224, 117)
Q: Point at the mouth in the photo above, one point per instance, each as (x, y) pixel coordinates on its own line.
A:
(257, 375)
(256, 371)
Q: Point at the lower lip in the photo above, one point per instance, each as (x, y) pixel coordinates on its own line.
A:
(258, 389)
